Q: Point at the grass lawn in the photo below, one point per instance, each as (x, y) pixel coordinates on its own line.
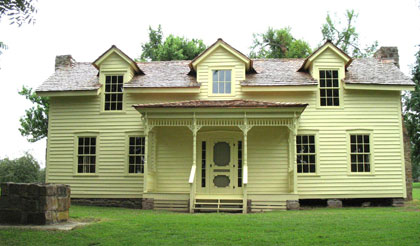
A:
(321, 226)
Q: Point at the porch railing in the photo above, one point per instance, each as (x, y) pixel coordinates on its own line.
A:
(244, 189)
(191, 181)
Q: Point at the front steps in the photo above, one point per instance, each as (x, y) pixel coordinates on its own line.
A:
(219, 205)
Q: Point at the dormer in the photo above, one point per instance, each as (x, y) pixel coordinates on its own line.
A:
(115, 69)
(328, 65)
(220, 70)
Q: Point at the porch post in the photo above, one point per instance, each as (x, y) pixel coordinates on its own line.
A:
(292, 158)
(245, 128)
(147, 179)
(192, 180)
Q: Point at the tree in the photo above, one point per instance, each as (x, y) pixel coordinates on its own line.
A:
(345, 35)
(278, 43)
(18, 11)
(34, 124)
(173, 48)
(20, 170)
(412, 117)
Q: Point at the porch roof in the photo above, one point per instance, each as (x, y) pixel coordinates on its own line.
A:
(240, 103)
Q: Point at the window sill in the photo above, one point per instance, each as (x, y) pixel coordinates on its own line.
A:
(360, 174)
(85, 175)
(330, 107)
(308, 175)
(222, 95)
(112, 112)
(134, 175)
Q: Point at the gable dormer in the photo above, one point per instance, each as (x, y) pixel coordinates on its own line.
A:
(328, 66)
(220, 70)
(115, 69)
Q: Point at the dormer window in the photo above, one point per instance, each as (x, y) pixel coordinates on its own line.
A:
(113, 93)
(329, 88)
(222, 82)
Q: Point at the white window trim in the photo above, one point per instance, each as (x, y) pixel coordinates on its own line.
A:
(232, 83)
(75, 152)
(317, 165)
(341, 76)
(127, 152)
(102, 80)
(371, 147)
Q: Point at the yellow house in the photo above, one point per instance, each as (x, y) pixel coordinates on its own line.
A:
(224, 132)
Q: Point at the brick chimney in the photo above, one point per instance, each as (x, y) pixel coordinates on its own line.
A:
(388, 54)
(64, 61)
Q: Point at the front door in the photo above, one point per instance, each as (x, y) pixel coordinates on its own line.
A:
(222, 167)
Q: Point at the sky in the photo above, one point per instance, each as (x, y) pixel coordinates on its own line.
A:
(85, 29)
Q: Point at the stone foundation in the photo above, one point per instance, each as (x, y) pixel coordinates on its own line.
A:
(398, 202)
(149, 203)
(334, 203)
(292, 205)
(38, 204)
(248, 206)
(109, 202)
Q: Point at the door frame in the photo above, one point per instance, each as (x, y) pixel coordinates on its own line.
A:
(211, 137)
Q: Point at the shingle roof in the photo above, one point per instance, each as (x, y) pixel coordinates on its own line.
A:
(273, 72)
(373, 71)
(81, 76)
(221, 104)
(164, 74)
(270, 72)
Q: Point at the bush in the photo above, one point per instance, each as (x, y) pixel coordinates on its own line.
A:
(24, 169)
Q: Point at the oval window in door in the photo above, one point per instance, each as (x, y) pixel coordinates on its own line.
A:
(221, 154)
(221, 181)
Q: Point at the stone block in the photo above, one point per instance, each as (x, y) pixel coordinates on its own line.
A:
(61, 190)
(334, 203)
(13, 188)
(10, 216)
(148, 203)
(62, 216)
(4, 189)
(63, 203)
(22, 190)
(4, 203)
(51, 190)
(292, 205)
(51, 217)
(36, 219)
(366, 204)
(398, 202)
(30, 204)
(14, 201)
(33, 190)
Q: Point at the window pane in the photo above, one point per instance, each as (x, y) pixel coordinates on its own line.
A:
(322, 74)
(221, 87)
(322, 82)
(228, 75)
(221, 75)
(228, 87)
(335, 74)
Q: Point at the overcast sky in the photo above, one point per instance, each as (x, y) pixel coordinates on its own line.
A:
(85, 29)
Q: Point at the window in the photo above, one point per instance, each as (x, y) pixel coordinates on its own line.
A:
(203, 164)
(360, 153)
(306, 153)
(136, 153)
(329, 88)
(113, 93)
(222, 82)
(86, 155)
(239, 163)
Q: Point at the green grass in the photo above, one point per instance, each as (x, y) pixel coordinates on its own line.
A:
(322, 226)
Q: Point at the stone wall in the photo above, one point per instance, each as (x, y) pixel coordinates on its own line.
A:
(109, 202)
(38, 204)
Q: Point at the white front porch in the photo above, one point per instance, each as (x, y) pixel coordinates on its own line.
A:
(261, 166)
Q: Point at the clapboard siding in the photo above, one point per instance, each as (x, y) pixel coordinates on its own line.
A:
(267, 160)
(220, 58)
(376, 111)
